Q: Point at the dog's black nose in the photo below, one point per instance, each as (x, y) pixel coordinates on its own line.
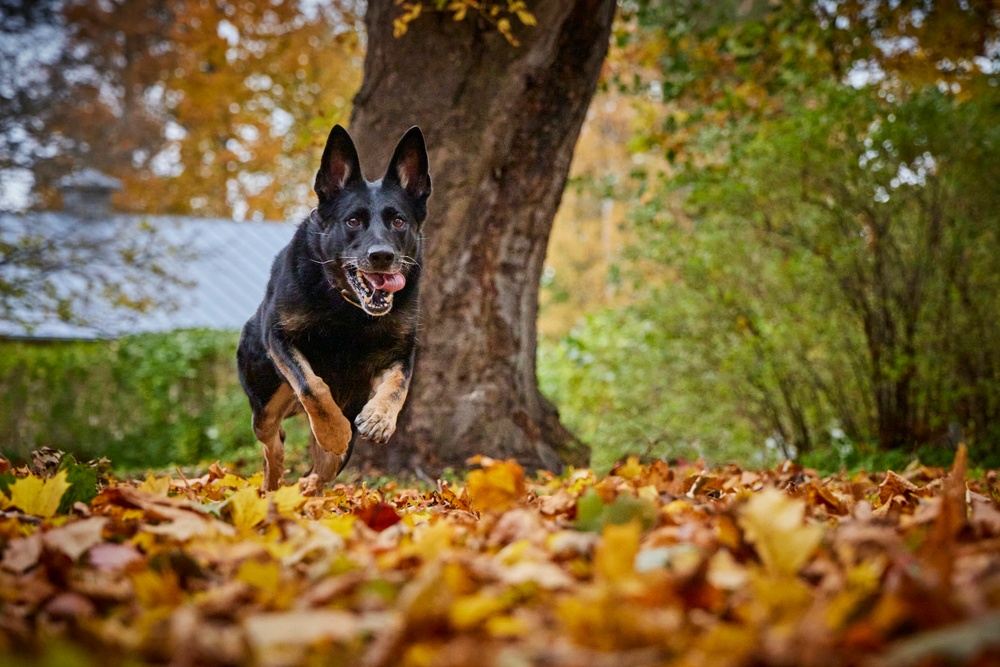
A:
(381, 257)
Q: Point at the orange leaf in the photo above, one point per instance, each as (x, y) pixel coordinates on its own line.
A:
(497, 487)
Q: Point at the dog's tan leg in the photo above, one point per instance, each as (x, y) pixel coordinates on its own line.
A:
(326, 420)
(325, 467)
(377, 420)
(267, 428)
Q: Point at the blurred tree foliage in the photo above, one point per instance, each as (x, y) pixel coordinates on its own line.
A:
(815, 265)
(200, 107)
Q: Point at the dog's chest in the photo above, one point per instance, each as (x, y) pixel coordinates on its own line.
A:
(350, 356)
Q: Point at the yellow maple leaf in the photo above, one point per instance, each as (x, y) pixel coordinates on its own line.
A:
(262, 575)
(247, 508)
(288, 499)
(37, 496)
(156, 589)
(341, 524)
(497, 487)
(433, 540)
(158, 486)
(774, 524)
(631, 469)
(615, 557)
(229, 480)
(469, 611)
(507, 626)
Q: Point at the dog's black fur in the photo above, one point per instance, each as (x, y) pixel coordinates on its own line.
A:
(325, 341)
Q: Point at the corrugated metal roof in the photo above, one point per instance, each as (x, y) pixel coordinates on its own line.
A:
(225, 266)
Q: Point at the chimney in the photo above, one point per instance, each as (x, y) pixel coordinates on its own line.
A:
(87, 193)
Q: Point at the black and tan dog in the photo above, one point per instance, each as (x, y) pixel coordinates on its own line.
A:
(334, 336)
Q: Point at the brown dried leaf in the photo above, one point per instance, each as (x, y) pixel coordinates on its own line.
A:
(74, 539)
(109, 556)
(985, 516)
(560, 502)
(22, 553)
(938, 549)
(893, 485)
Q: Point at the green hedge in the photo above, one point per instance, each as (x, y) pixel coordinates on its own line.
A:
(148, 400)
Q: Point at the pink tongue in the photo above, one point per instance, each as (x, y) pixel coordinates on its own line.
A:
(387, 282)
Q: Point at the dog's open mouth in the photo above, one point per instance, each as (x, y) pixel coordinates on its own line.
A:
(375, 290)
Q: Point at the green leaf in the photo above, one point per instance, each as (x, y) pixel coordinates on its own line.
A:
(83, 483)
(6, 479)
(592, 515)
(589, 510)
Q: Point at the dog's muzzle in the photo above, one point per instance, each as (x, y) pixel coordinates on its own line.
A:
(374, 290)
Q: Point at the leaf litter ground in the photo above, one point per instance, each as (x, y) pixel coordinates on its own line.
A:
(651, 565)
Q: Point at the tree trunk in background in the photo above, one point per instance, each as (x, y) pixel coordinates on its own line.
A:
(501, 123)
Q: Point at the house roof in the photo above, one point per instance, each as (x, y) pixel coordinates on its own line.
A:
(223, 264)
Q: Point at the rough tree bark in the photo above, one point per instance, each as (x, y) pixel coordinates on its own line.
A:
(501, 123)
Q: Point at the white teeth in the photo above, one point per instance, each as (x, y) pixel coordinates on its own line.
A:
(376, 302)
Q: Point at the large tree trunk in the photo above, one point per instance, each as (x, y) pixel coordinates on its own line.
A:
(501, 122)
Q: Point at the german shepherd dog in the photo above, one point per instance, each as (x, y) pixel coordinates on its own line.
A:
(335, 334)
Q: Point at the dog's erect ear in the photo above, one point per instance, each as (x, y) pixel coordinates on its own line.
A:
(408, 166)
(340, 166)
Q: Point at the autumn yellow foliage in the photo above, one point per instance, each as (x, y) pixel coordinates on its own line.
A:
(654, 564)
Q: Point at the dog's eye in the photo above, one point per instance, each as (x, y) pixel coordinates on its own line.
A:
(353, 223)
(398, 223)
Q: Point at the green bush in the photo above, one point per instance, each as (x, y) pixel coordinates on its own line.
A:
(854, 457)
(633, 381)
(830, 277)
(148, 400)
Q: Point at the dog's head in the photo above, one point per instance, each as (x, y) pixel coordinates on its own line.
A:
(368, 235)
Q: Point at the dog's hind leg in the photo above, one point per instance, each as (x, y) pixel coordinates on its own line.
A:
(326, 420)
(325, 467)
(267, 428)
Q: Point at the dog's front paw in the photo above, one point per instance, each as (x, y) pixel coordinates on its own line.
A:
(377, 422)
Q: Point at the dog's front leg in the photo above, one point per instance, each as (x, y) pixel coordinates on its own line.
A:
(377, 420)
(328, 423)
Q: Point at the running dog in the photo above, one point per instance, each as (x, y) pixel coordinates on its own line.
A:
(335, 334)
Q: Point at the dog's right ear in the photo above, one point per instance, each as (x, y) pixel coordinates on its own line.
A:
(340, 166)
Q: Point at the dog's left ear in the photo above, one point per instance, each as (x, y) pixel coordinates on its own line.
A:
(408, 169)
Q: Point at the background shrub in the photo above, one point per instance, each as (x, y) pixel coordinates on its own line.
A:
(147, 400)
